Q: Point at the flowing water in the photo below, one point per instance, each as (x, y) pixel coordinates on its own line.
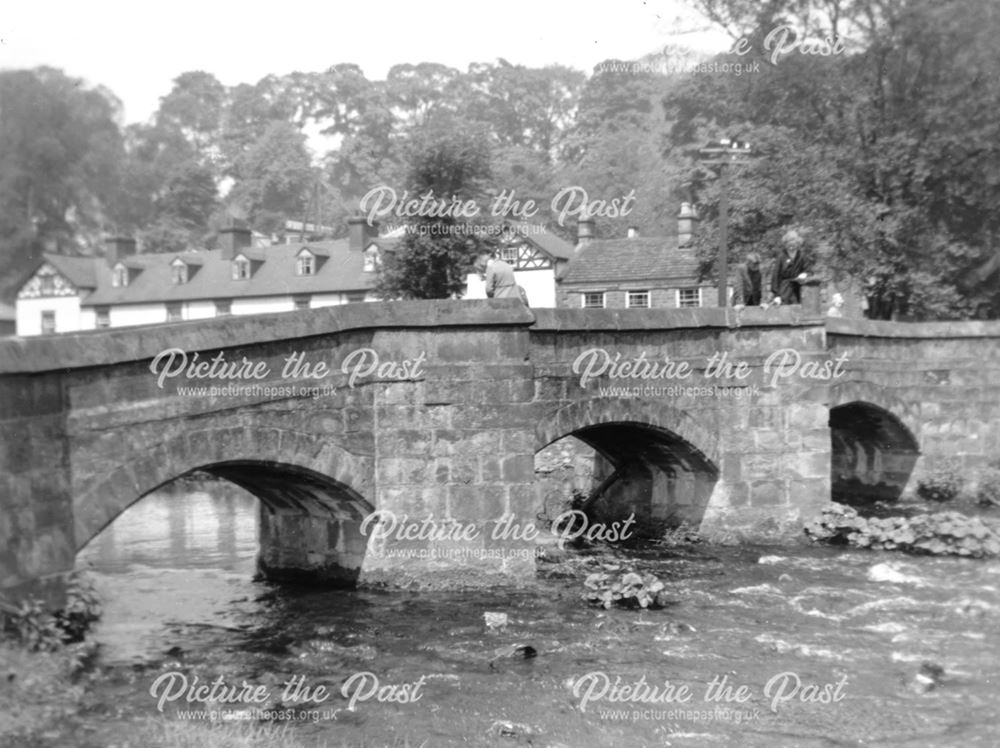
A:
(797, 646)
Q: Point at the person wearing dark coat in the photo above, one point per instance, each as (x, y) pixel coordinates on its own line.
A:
(790, 270)
(748, 290)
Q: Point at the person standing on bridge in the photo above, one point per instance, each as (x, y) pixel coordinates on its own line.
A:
(748, 289)
(499, 277)
(790, 270)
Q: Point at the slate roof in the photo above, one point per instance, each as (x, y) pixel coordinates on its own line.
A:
(610, 261)
(548, 242)
(80, 271)
(337, 269)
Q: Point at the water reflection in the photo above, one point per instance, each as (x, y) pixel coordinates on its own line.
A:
(176, 576)
(184, 555)
(184, 525)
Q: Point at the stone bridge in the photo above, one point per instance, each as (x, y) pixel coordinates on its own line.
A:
(432, 412)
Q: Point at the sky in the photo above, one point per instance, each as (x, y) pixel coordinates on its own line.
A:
(136, 49)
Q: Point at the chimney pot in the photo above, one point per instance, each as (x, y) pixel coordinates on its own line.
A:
(633, 232)
(687, 223)
(584, 232)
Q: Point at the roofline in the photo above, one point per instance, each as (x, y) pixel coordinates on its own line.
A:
(84, 302)
(643, 281)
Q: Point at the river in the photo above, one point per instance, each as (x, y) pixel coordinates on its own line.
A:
(797, 646)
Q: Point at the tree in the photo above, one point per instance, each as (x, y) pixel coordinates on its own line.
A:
(418, 92)
(618, 146)
(60, 151)
(522, 107)
(168, 192)
(194, 108)
(183, 204)
(274, 178)
(436, 253)
(358, 112)
(863, 148)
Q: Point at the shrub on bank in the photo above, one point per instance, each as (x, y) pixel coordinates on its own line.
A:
(34, 627)
(942, 534)
(942, 484)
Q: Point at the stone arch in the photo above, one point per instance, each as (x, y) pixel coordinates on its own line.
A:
(873, 451)
(586, 413)
(652, 460)
(880, 397)
(312, 493)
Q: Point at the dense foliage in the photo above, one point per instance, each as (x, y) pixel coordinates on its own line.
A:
(886, 153)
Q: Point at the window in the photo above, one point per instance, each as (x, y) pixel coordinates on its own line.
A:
(354, 297)
(688, 297)
(508, 254)
(103, 316)
(174, 312)
(241, 268)
(179, 272)
(223, 307)
(593, 300)
(637, 300)
(48, 322)
(301, 302)
(306, 264)
(48, 284)
(119, 276)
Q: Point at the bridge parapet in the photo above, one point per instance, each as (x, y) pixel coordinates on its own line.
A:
(435, 410)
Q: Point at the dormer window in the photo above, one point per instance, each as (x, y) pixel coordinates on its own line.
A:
(241, 268)
(179, 272)
(306, 263)
(372, 259)
(119, 276)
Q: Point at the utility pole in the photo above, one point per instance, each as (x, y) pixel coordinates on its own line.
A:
(726, 152)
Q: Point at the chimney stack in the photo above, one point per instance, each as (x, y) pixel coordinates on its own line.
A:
(584, 232)
(360, 233)
(687, 224)
(118, 248)
(234, 239)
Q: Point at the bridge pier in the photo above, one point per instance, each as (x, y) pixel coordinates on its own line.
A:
(454, 461)
(300, 548)
(409, 460)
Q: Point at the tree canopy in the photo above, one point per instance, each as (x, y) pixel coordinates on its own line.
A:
(873, 123)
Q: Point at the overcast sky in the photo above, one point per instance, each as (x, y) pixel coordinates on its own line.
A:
(136, 48)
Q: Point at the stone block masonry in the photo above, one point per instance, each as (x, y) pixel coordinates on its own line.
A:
(393, 443)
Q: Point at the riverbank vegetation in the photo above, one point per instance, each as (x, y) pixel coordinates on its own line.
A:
(851, 109)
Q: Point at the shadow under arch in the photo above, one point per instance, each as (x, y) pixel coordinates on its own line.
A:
(873, 454)
(645, 462)
(311, 499)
